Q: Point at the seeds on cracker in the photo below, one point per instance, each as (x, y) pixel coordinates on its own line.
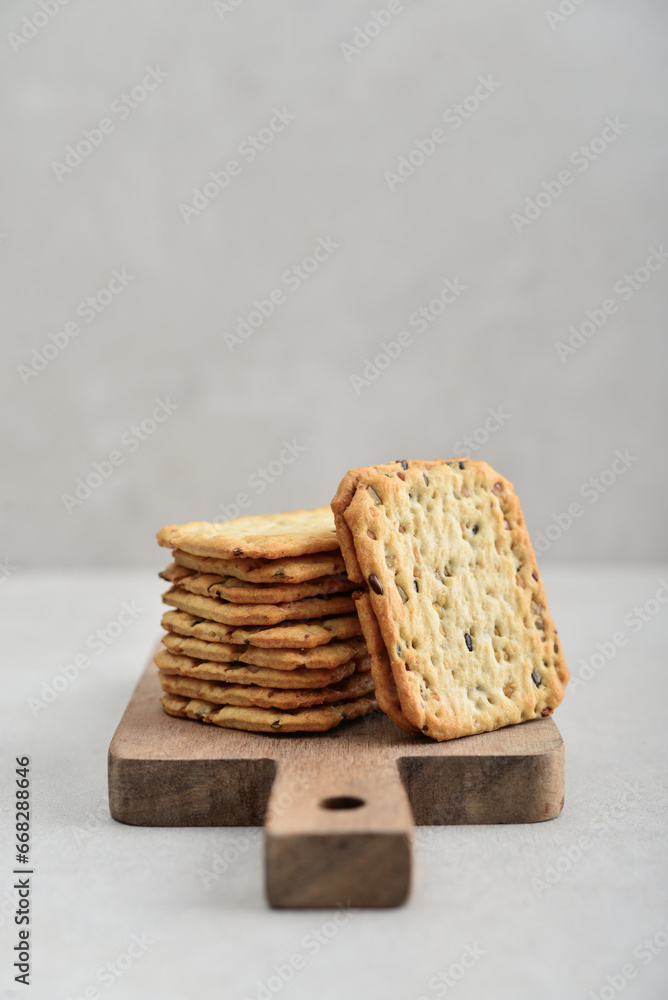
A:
(317, 719)
(250, 673)
(266, 635)
(325, 656)
(392, 530)
(252, 695)
(285, 635)
(270, 536)
(228, 613)
(290, 569)
(229, 588)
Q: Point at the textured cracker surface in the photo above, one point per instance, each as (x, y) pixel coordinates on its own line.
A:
(342, 499)
(248, 673)
(301, 635)
(268, 536)
(386, 690)
(226, 613)
(269, 720)
(228, 588)
(250, 695)
(318, 658)
(292, 569)
(450, 551)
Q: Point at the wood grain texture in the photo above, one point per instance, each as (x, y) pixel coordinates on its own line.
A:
(338, 833)
(165, 771)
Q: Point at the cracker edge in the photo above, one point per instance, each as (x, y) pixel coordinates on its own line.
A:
(261, 546)
(410, 705)
(343, 497)
(381, 671)
(164, 661)
(358, 707)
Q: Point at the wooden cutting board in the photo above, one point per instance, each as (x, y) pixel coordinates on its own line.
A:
(338, 807)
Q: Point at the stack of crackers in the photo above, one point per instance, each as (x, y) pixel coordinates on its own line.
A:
(264, 635)
(421, 590)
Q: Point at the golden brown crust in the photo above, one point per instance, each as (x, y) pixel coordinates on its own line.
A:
(285, 635)
(242, 615)
(291, 569)
(228, 588)
(266, 536)
(386, 689)
(342, 500)
(456, 594)
(249, 673)
(269, 720)
(250, 695)
(333, 654)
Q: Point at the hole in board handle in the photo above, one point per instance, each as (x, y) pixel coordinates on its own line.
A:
(342, 802)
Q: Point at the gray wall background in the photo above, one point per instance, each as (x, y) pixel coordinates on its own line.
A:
(162, 337)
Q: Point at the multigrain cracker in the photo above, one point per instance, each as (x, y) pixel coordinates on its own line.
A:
(386, 689)
(344, 495)
(455, 591)
(228, 588)
(248, 673)
(318, 658)
(267, 536)
(241, 615)
(250, 695)
(269, 720)
(292, 569)
(297, 635)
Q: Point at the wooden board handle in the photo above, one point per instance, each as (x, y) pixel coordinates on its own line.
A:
(337, 834)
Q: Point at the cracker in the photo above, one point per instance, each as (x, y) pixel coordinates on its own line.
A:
(455, 592)
(318, 658)
(257, 614)
(386, 690)
(228, 588)
(300, 635)
(267, 536)
(292, 569)
(269, 720)
(250, 695)
(344, 495)
(249, 673)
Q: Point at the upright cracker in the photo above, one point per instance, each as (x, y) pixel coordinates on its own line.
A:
(386, 689)
(228, 588)
(456, 596)
(267, 536)
(290, 635)
(291, 569)
(269, 720)
(342, 500)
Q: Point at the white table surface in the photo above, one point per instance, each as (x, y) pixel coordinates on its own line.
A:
(98, 883)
